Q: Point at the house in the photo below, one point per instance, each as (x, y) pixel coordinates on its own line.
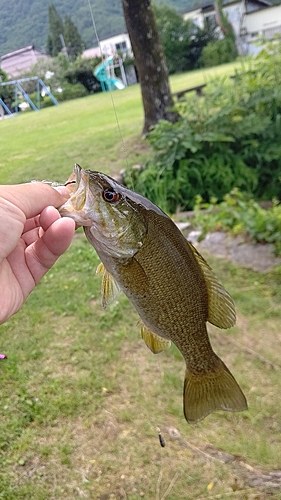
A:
(119, 43)
(14, 63)
(266, 23)
(236, 11)
(91, 53)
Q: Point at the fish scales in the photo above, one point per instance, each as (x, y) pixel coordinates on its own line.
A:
(172, 287)
(162, 300)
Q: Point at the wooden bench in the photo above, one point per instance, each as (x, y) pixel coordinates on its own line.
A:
(198, 89)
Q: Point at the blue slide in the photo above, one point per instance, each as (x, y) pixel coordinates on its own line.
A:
(107, 82)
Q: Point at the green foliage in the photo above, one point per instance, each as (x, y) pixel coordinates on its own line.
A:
(82, 71)
(23, 22)
(67, 93)
(230, 138)
(241, 215)
(181, 39)
(190, 159)
(3, 76)
(67, 29)
(60, 74)
(56, 28)
(218, 52)
(72, 38)
(6, 91)
(52, 71)
(71, 92)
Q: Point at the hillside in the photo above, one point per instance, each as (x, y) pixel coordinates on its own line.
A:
(25, 22)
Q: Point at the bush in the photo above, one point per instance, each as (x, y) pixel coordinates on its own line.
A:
(82, 71)
(218, 52)
(182, 40)
(230, 138)
(241, 215)
(71, 92)
(3, 76)
(188, 162)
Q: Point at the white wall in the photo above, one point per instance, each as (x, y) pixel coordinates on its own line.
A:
(262, 20)
(196, 16)
(109, 48)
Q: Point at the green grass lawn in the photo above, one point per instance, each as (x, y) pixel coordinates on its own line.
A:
(81, 395)
(84, 131)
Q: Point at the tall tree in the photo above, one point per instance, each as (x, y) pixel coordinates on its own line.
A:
(56, 28)
(150, 62)
(182, 40)
(175, 35)
(72, 38)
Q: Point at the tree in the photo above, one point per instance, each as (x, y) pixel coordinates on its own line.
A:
(56, 29)
(181, 39)
(72, 38)
(67, 29)
(150, 63)
(226, 27)
(175, 35)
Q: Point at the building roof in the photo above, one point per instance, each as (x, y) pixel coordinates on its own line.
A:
(14, 63)
(21, 51)
(210, 6)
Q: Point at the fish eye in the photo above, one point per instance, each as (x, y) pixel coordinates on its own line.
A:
(110, 195)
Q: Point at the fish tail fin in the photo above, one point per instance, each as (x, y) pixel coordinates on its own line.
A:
(213, 390)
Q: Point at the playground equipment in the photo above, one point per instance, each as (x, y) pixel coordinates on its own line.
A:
(104, 72)
(40, 85)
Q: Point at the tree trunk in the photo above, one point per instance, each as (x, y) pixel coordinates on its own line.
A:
(226, 27)
(150, 63)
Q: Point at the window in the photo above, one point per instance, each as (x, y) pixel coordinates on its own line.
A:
(121, 47)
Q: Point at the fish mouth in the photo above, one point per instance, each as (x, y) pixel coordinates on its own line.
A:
(78, 185)
(73, 181)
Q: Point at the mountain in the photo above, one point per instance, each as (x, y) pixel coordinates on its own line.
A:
(25, 22)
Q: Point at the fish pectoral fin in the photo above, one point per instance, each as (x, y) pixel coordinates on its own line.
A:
(153, 341)
(100, 269)
(221, 309)
(211, 391)
(109, 286)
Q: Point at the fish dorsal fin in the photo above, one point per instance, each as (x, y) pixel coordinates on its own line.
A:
(153, 341)
(109, 286)
(221, 309)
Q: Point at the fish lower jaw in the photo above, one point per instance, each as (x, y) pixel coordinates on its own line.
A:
(78, 216)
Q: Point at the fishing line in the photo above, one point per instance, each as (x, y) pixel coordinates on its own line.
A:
(110, 91)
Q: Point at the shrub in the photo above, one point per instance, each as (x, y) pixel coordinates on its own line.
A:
(182, 40)
(71, 92)
(230, 138)
(82, 71)
(241, 215)
(218, 52)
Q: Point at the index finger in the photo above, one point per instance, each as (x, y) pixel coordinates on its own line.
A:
(32, 198)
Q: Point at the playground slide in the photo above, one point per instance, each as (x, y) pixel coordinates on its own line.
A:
(116, 83)
(108, 82)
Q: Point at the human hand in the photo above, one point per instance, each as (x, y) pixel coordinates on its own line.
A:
(32, 237)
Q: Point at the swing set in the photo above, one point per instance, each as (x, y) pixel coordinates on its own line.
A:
(40, 85)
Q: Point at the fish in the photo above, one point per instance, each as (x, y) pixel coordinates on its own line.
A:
(171, 286)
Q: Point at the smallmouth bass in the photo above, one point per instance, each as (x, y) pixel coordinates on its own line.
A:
(172, 287)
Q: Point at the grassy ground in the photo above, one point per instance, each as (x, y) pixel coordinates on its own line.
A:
(84, 131)
(81, 395)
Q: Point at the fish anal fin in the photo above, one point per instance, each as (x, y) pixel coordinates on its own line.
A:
(211, 391)
(221, 309)
(109, 286)
(153, 341)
